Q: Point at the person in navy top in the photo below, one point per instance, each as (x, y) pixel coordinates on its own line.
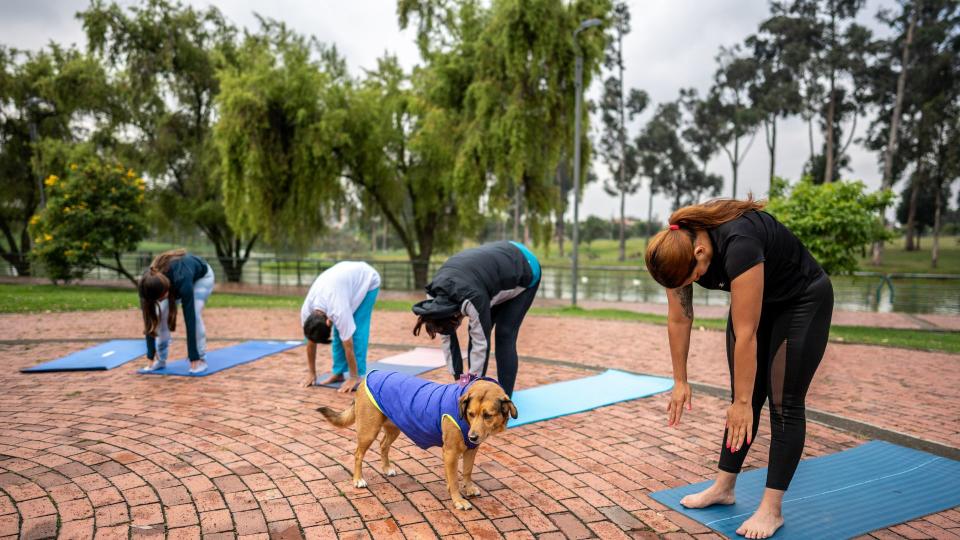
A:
(175, 277)
(491, 285)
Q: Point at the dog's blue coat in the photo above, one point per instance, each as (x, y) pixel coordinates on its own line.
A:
(417, 406)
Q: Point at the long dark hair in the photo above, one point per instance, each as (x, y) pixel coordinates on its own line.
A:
(154, 284)
(444, 326)
(669, 255)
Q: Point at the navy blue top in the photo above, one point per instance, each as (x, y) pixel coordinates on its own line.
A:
(417, 406)
(183, 273)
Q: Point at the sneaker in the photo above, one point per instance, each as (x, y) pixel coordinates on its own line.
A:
(201, 367)
(157, 365)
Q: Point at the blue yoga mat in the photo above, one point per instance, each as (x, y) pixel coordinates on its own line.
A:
(578, 395)
(227, 357)
(102, 357)
(842, 495)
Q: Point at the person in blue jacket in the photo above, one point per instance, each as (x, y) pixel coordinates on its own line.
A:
(175, 277)
(491, 285)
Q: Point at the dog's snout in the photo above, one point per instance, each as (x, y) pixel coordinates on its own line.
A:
(473, 437)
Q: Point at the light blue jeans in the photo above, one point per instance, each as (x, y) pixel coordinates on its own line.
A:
(202, 288)
(361, 337)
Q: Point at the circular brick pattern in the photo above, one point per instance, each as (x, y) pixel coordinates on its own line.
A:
(243, 454)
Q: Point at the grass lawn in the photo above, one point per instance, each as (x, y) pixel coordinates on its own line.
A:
(41, 298)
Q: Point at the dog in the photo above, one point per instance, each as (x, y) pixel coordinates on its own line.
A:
(424, 411)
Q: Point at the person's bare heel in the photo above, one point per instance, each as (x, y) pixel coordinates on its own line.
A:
(721, 491)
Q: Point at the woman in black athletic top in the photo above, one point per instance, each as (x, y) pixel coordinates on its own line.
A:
(781, 303)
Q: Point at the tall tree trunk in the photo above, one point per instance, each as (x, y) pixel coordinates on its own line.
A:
(623, 226)
(831, 106)
(516, 213)
(810, 136)
(373, 236)
(650, 214)
(935, 249)
(912, 215)
(892, 141)
(772, 148)
(735, 162)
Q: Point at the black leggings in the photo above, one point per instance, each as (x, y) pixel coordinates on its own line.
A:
(791, 339)
(507, 318)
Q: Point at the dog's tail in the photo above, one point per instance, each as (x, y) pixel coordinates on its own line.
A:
(340, 419)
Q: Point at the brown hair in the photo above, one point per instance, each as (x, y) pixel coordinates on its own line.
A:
(445, 326)
(669, 256)
(152, 285)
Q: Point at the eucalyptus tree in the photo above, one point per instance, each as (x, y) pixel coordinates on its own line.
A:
(665, 160)
(730, 108)
(779, 51)
(619, 155)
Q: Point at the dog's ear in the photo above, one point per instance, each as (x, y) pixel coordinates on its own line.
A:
(507, 407)
(464, 403)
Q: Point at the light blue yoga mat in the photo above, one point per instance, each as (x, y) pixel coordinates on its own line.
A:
(578, 395)
(102, 357)
(842, 495)
(227, 357)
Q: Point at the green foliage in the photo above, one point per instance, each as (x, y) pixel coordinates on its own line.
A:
(166, 59)
(834, 221)
(594, 228)
(274, 124)
(44, 96)
(93, 213)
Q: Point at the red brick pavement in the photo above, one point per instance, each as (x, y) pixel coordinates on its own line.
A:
(913, 392)
(241, 454)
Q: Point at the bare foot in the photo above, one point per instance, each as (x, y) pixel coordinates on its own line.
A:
(708, 497)
(762, 524)
(332, 379)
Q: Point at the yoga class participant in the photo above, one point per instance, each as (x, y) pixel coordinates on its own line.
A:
(491, 285)
(781, 303)
(180, 278)
(341, 299)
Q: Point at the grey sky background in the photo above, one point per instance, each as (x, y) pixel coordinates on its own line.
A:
(672, 46)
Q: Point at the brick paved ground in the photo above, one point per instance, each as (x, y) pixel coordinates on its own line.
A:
(241, 454)
(914, 392)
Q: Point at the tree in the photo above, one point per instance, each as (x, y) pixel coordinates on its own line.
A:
(399, 148)
(595, 228)
(166, 60)
(779, 51)
(619, 155)
(666, 162)
(93, 215)
(895, 116)
(729, 106)
(835, 221)
(929, 102)
(516, 109)
(275, 121)
(48, 97)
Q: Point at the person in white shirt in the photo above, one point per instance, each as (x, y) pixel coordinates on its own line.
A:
(340, 300)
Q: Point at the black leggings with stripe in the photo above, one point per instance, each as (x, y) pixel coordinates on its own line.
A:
(791, 339)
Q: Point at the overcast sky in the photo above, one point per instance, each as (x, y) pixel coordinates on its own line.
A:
(672, 45)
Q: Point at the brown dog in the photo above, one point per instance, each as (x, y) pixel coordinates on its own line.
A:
(484, 407)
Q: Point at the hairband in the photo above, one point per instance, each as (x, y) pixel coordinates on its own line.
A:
(674, 227)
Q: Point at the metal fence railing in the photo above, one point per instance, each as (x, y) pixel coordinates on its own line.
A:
(862, 291)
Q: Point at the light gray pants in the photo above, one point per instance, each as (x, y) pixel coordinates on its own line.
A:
(201, 291)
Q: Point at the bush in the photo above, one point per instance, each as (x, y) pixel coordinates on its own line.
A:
(835, 221)
(93, 214)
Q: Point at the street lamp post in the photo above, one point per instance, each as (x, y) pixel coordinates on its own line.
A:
(578, 87)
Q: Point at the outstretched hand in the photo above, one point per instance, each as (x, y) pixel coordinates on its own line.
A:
(739, 423)
(681, 397)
